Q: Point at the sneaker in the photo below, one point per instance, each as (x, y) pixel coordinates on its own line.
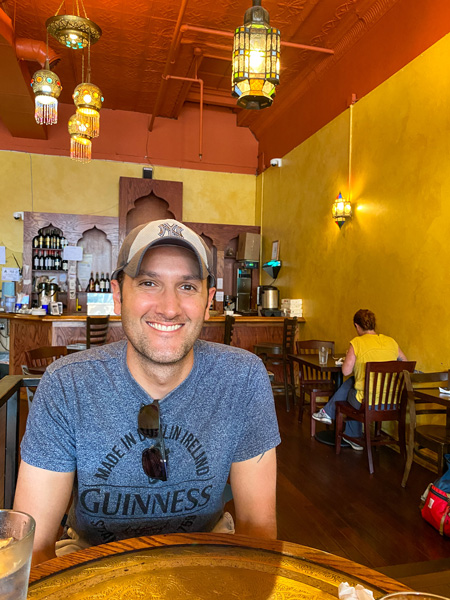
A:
(354, 445)
(322, 416)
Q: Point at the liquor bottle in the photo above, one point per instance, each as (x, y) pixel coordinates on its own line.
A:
(91, 287)
(97, 283)
(47, 240)
(36, 241)
(52, 239)
(107, 284)
(36, 261)
(57, 241)
(41, 261)
(102, 283)
(41, 240)
(57, 266)
(51, 262)
(65, 265)
(63, 242)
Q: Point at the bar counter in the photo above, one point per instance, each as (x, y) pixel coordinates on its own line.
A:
(31, 331)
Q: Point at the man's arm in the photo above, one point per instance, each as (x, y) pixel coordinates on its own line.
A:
(253, 483)
(44, 495)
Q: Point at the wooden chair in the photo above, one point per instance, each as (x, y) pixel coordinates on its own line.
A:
(37, 360)
(431, 436)
(229, 326)
(383, 401)
(276, 354)
(96, 333)
(312, 381)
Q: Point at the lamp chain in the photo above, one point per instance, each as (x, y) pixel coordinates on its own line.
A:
(350, 145)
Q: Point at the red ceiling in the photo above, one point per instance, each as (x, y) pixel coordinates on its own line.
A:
(144, 39)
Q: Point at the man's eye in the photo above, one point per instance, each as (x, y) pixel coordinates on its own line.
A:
(188, 287)
(147, 283)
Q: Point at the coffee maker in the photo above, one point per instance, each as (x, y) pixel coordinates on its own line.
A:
(268, 300)
(244, 286)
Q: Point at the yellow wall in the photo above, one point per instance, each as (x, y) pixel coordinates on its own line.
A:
(34, 182)
(393, 257)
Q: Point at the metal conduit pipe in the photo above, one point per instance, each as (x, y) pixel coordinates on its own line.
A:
(199, 81)
(27, 49)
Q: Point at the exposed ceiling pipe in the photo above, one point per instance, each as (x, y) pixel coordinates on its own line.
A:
(167, 67)
(230, 34)
(27, 49)
(199, 81)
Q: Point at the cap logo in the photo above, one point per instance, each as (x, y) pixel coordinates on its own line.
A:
(170, 230)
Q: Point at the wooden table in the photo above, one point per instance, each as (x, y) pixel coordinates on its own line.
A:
(201, 566)
(326, 436)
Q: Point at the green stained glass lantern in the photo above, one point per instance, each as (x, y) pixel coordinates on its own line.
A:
(256, 60)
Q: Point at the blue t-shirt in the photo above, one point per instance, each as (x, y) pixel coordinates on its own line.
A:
(84, 418)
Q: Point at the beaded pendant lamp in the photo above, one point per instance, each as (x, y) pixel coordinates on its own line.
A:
(80, 138)
(256, 59)
(88, 99)
(46, 88)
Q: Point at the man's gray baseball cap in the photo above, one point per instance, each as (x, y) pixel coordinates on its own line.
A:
(166, 232)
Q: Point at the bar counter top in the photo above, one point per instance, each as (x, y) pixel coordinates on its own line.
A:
(32, 331)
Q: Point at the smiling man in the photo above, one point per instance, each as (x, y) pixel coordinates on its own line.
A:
(143, 434)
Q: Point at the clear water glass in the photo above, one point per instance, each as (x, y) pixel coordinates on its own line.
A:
(16, 546)
(323, 355)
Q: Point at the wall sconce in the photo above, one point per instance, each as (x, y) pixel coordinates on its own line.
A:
(342, 210)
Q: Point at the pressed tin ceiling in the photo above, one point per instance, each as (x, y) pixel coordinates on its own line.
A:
(143, 40)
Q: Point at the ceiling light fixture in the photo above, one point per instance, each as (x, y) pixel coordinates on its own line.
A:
(88, 99)
(73, 31)
(80, 138)
(46, 88)
(256, 59)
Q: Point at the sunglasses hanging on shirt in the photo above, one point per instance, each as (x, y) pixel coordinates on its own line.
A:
(154, 461)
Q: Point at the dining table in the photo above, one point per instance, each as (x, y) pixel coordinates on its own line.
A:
(201, 566)
(325, 436)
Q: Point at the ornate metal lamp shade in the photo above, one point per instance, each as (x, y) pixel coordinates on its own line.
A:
(46, 88)
(256, 59)
(88, 99)
(342, 210)
(73, 31)
(80, 138)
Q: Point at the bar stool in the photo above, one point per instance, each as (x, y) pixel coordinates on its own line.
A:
(229, 326)
(275, 354)
(96, 333)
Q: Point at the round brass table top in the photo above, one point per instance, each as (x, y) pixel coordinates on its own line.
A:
(200, 566)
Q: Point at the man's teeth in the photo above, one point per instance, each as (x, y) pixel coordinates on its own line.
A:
(165, 327)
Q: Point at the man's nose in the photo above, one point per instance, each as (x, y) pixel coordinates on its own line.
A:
(169, 303)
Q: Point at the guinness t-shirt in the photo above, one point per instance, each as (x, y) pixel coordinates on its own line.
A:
(84, 418)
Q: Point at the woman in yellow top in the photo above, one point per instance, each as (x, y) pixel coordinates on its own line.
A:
(368, 346)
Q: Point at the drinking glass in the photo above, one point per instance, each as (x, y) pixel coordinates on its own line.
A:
(323, 355)
(16, 545)
(413, 596)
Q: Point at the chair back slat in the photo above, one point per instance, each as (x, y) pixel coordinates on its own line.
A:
(229, 327)
(312, 347)
(384, 384)
(289, 331)
(40, 358)
(96, 330)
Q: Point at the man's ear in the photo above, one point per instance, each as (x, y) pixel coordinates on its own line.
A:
(117, 296)
(211, 293)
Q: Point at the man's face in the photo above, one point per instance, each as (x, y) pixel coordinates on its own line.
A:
(164, 307)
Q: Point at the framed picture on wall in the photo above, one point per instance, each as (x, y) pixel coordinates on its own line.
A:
(275, 250)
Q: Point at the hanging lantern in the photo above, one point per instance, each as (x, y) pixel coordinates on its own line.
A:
(342, 210)
(80, 138)
(73, 31)
(256, 60)
(46, 88)
(88, 99)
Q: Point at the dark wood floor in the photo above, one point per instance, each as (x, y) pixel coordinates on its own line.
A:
(332, 503)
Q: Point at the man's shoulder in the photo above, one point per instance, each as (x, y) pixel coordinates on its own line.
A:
(77, 360)
(212, 351)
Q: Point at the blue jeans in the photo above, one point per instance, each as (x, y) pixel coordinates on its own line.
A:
(345, 392)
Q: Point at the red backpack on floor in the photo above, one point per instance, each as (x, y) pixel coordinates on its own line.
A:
(435, 505)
